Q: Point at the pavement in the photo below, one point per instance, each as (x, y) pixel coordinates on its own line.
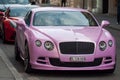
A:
(7, 70)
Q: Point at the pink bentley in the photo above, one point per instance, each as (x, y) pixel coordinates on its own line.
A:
(64, 39)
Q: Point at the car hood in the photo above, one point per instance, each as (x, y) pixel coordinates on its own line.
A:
(71, 34)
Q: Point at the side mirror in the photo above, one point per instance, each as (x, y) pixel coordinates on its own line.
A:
(105, 23)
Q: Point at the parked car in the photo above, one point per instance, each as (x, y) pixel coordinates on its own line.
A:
(64, 39)
(4, 3)
(7, 28)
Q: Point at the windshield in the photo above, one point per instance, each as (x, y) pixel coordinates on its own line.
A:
(14, 2)
(63, 18)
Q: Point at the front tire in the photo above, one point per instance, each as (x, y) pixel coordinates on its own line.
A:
(3, 35)
(17, 52)
(28, 68)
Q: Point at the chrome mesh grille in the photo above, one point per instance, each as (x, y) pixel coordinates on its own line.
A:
(76, 47)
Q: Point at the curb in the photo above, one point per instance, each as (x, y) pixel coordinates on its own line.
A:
(16, 75)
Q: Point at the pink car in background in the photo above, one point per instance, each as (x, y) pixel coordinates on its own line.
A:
(64, 39)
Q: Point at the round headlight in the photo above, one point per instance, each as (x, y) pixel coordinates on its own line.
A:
(49, 45)
(102, 45)
(38, 43)
(110, 43)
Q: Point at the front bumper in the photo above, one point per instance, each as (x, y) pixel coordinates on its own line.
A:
(55, 64)
(54, 60)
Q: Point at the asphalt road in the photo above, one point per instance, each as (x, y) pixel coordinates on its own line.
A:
(8, 49)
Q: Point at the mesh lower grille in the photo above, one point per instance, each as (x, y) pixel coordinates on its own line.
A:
(57, 62)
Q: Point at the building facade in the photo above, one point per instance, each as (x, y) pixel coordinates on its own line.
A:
(96, 6)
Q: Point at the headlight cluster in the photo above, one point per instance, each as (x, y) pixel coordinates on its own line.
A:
(48, 44)
(103, 45)
(110, 43)
(38, 43)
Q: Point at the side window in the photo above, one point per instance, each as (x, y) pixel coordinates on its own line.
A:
(90, 19)
(28, 18)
